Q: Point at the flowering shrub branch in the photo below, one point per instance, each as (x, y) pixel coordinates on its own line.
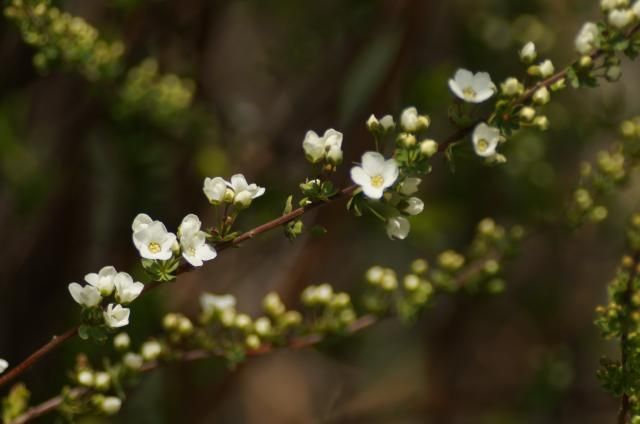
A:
(386, 182)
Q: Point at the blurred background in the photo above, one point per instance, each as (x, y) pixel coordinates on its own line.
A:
(75, 169)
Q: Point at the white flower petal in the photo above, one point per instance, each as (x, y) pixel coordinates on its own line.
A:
(359, 176)
(372, 163)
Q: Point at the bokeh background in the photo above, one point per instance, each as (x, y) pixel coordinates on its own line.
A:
(74, 173)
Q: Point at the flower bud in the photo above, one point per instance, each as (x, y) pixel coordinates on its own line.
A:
(373, 124)
(389, 281)
(341, 300)
(121, 341)
(242, 322)
(272, 304)
(585, 62)
(527, 113)
(387, 123)
(414, 206)
(528, 53)
(228, 196)
(428, 147)
(110, 405)
(151, 350)
(407, 140)
(85, 378)
(324, 293)
(102, 381)
(419, 266)
(262, 326)
(512, 87)
(170, 321)
(546, 69)
(411, 282)
(542, 122)
(374, 275)
(291, 318)
(252, 342)
(185, 326)
(541, 96)
(132, 361)
(613, 73)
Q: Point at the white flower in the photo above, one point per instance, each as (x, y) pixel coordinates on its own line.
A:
(214, 189)
(126, 289)
(3, 365)
(313, 146)
(103, 280)
(154, 241)
(211, 303)
(87, 296)
(546, 69)
(375, 175)
(116, 316)
(587, 39)
(111, 405)
(528, 52)
(414, 206)
(244, 192)
(473, 88)
(409, 185)
(195, 249)
(620, 18)
(485, 140)
(329, 146)
(398, 227)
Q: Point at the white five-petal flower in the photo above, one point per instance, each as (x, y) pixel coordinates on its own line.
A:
(375, 175)
(3, 365)
(214, 189)
(398, 227)
(195, 249)
(329, 146)
(473, 88)
(244, 192)
(87, 296)
(115, 316)
(485, 140)
(126, 289)
(103, 280)
(154, 241)
(587, 39)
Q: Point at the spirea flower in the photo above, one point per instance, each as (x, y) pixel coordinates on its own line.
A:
(375, 175)
(126, 289)
(103, 280)
(328, 147)
(546, 68)
(3, 365)
(193, 241)
(244, 192)
(115, 316)
(473, 88)
(140, 222)
(485, 140)
(587, 39)
(152, 240)
(87, 296)
(398, 227)
(214, 189)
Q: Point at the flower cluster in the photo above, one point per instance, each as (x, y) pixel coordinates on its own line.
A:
(610, 170)
(236, 191)
(327, 148)
(69, 40)
(106, 285)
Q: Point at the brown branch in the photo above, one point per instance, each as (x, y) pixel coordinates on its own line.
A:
(50, 405)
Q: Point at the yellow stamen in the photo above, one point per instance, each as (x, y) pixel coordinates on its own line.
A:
(154, 247)
(469, 92)
(377, 181)
(482, 145)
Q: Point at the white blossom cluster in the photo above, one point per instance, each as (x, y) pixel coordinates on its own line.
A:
(326, 148)
(619, 13)
(236, 191)
(108, 284)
